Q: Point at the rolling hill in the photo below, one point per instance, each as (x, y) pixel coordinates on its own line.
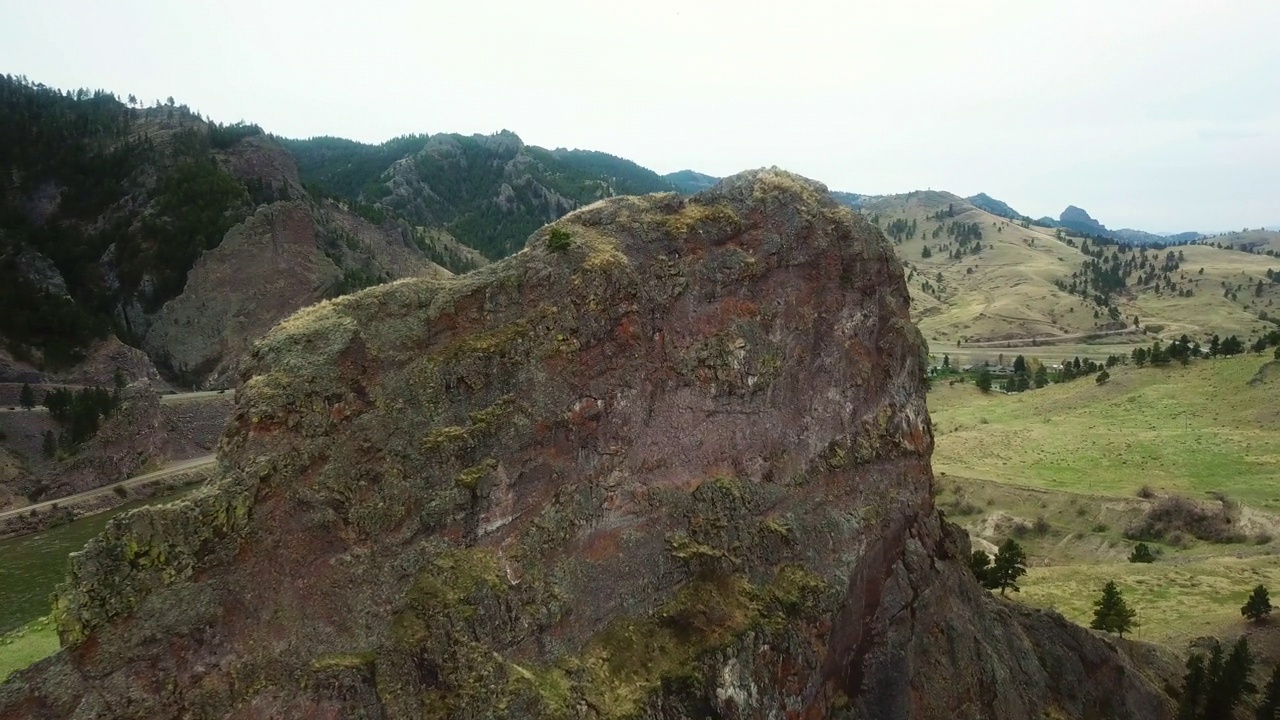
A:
(985, 278)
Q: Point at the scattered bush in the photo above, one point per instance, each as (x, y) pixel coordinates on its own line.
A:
(1146, 493)
(1262, 538)
(559, 240)
(1100, 528)
(1141, 554)
(1182, 516)
(119, 490)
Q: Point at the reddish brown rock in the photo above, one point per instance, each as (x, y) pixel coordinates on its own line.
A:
(677, 469)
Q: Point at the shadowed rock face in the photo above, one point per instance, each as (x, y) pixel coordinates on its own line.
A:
(678, 469)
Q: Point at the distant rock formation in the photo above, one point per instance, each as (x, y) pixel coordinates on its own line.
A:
(983, 201)
(672, 461)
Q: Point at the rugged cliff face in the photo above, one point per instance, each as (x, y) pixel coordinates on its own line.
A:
(286, 256)
(670, 461)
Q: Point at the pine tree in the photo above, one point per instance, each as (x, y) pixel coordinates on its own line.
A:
(1111, 613)
(27, 397)
(984, 381)
(1009, 565)
(49, 444)
(1141, 554)
(1103, 377)
(980, 565)
(1194, 685)
(1269, 709)
(1258, 606)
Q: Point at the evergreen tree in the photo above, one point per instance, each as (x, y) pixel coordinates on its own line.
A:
(1258, 606)
(1269, 709)
(1041, 377)
(1111, 613)
(984, 381)
(980, 564)
(1009, 565)
(1103, 377)
(1194, 686)
(1141, 554)
(1020, 365)
(49, 444)
(27, 397)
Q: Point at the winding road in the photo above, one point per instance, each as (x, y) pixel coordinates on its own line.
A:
(170, 469)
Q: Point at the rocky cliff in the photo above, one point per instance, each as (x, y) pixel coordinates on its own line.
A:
(670, 461)
(286, 256)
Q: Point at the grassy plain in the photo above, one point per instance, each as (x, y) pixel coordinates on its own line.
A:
(1211, 426)
(1060, 469)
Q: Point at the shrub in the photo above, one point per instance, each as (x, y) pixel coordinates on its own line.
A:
(559, 240)
(119, 490)
(1141, 554)
(1100, 528)
(1181, 516)
(1146, 493)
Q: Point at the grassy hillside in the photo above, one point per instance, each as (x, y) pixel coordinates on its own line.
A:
(1064, 468)
(1075, 543)
(1012, 281)
(1260, 241)
(1211, 426)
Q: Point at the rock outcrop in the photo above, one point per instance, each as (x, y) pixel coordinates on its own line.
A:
(286, 256)
(670, 461)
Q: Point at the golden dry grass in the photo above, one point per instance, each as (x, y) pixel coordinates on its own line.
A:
(1008, 289)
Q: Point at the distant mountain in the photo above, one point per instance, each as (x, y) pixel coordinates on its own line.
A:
(688, 182)
(1139, 237)
(1074, 218)
(984, 201)
(852, 200)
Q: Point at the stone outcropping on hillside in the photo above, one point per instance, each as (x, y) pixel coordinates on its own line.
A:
(286, 256)
(671, 461)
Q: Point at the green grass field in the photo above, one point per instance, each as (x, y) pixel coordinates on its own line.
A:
(29, 643)
(1211, 426)
(1059, 468)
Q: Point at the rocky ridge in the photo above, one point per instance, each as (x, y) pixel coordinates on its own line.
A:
(670, 461)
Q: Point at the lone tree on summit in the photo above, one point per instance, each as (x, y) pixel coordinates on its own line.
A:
(1258, 606)
(1111, 613)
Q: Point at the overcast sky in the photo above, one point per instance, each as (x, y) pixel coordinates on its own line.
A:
(1162, 116)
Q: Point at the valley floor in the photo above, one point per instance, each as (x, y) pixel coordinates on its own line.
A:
(1069, 468)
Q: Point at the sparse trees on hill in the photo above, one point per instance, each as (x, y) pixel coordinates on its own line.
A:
(1212, 690)
(1111, 613)
(1258, 606)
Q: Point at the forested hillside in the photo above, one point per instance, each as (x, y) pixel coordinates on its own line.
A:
(487, 192)
(108, 207)
(120, 201)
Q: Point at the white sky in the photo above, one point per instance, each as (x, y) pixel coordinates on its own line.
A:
(1162, 116)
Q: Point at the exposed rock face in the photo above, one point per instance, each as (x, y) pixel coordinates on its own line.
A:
(679, 469)
(286, 256)
(1077, 219)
